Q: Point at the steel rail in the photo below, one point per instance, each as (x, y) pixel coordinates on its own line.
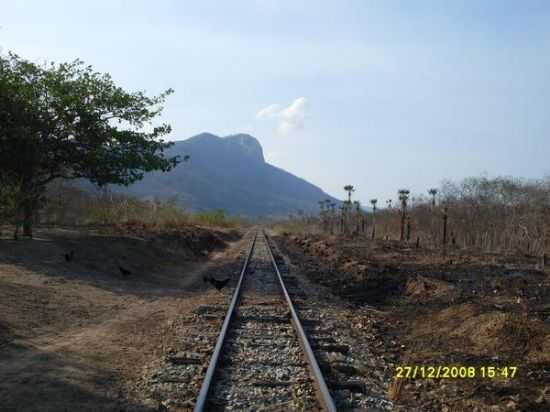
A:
(323, 393)
(205, 388)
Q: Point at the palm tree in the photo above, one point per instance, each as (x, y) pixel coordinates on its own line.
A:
(349, 189)
(346, 211)
(403, 197)
(373, 203)
(342, 214)
(433, 193)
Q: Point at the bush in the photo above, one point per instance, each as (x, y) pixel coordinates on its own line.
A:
(216, 218)
(70, 205)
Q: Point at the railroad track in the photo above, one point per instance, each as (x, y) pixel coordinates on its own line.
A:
(262, 360)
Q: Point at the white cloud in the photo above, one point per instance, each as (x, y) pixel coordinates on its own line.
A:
(292, 117)
(268, 112)
(289, 118)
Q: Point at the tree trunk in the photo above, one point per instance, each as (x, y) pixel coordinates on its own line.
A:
(444, 227)
(27, 217)
(26, 204)
(402, 236)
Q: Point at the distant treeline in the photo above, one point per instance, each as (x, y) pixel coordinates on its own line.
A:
(493, 214)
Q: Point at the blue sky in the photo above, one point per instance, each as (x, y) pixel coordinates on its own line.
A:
(379, 94)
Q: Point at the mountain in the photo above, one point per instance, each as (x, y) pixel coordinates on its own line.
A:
(229, 173)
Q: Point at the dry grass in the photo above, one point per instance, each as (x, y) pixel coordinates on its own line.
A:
(394, 389)
(76, 335)
(66, 205)
(467, 308)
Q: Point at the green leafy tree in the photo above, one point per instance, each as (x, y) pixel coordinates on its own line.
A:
(8, 195)
(66, 121)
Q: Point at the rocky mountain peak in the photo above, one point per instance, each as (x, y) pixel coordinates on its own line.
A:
(249, 144)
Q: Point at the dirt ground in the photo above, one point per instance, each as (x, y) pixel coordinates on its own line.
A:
(74, 335)
(457, 309)
(80, 335)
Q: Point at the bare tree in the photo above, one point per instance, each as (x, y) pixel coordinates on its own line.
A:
(403, 197)
(332, 216)
(342, 225)
(373, 202)
(501, 215)
(433, 193)
(445, 218)
(346, 210)
(358, 216)
(323, 215)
